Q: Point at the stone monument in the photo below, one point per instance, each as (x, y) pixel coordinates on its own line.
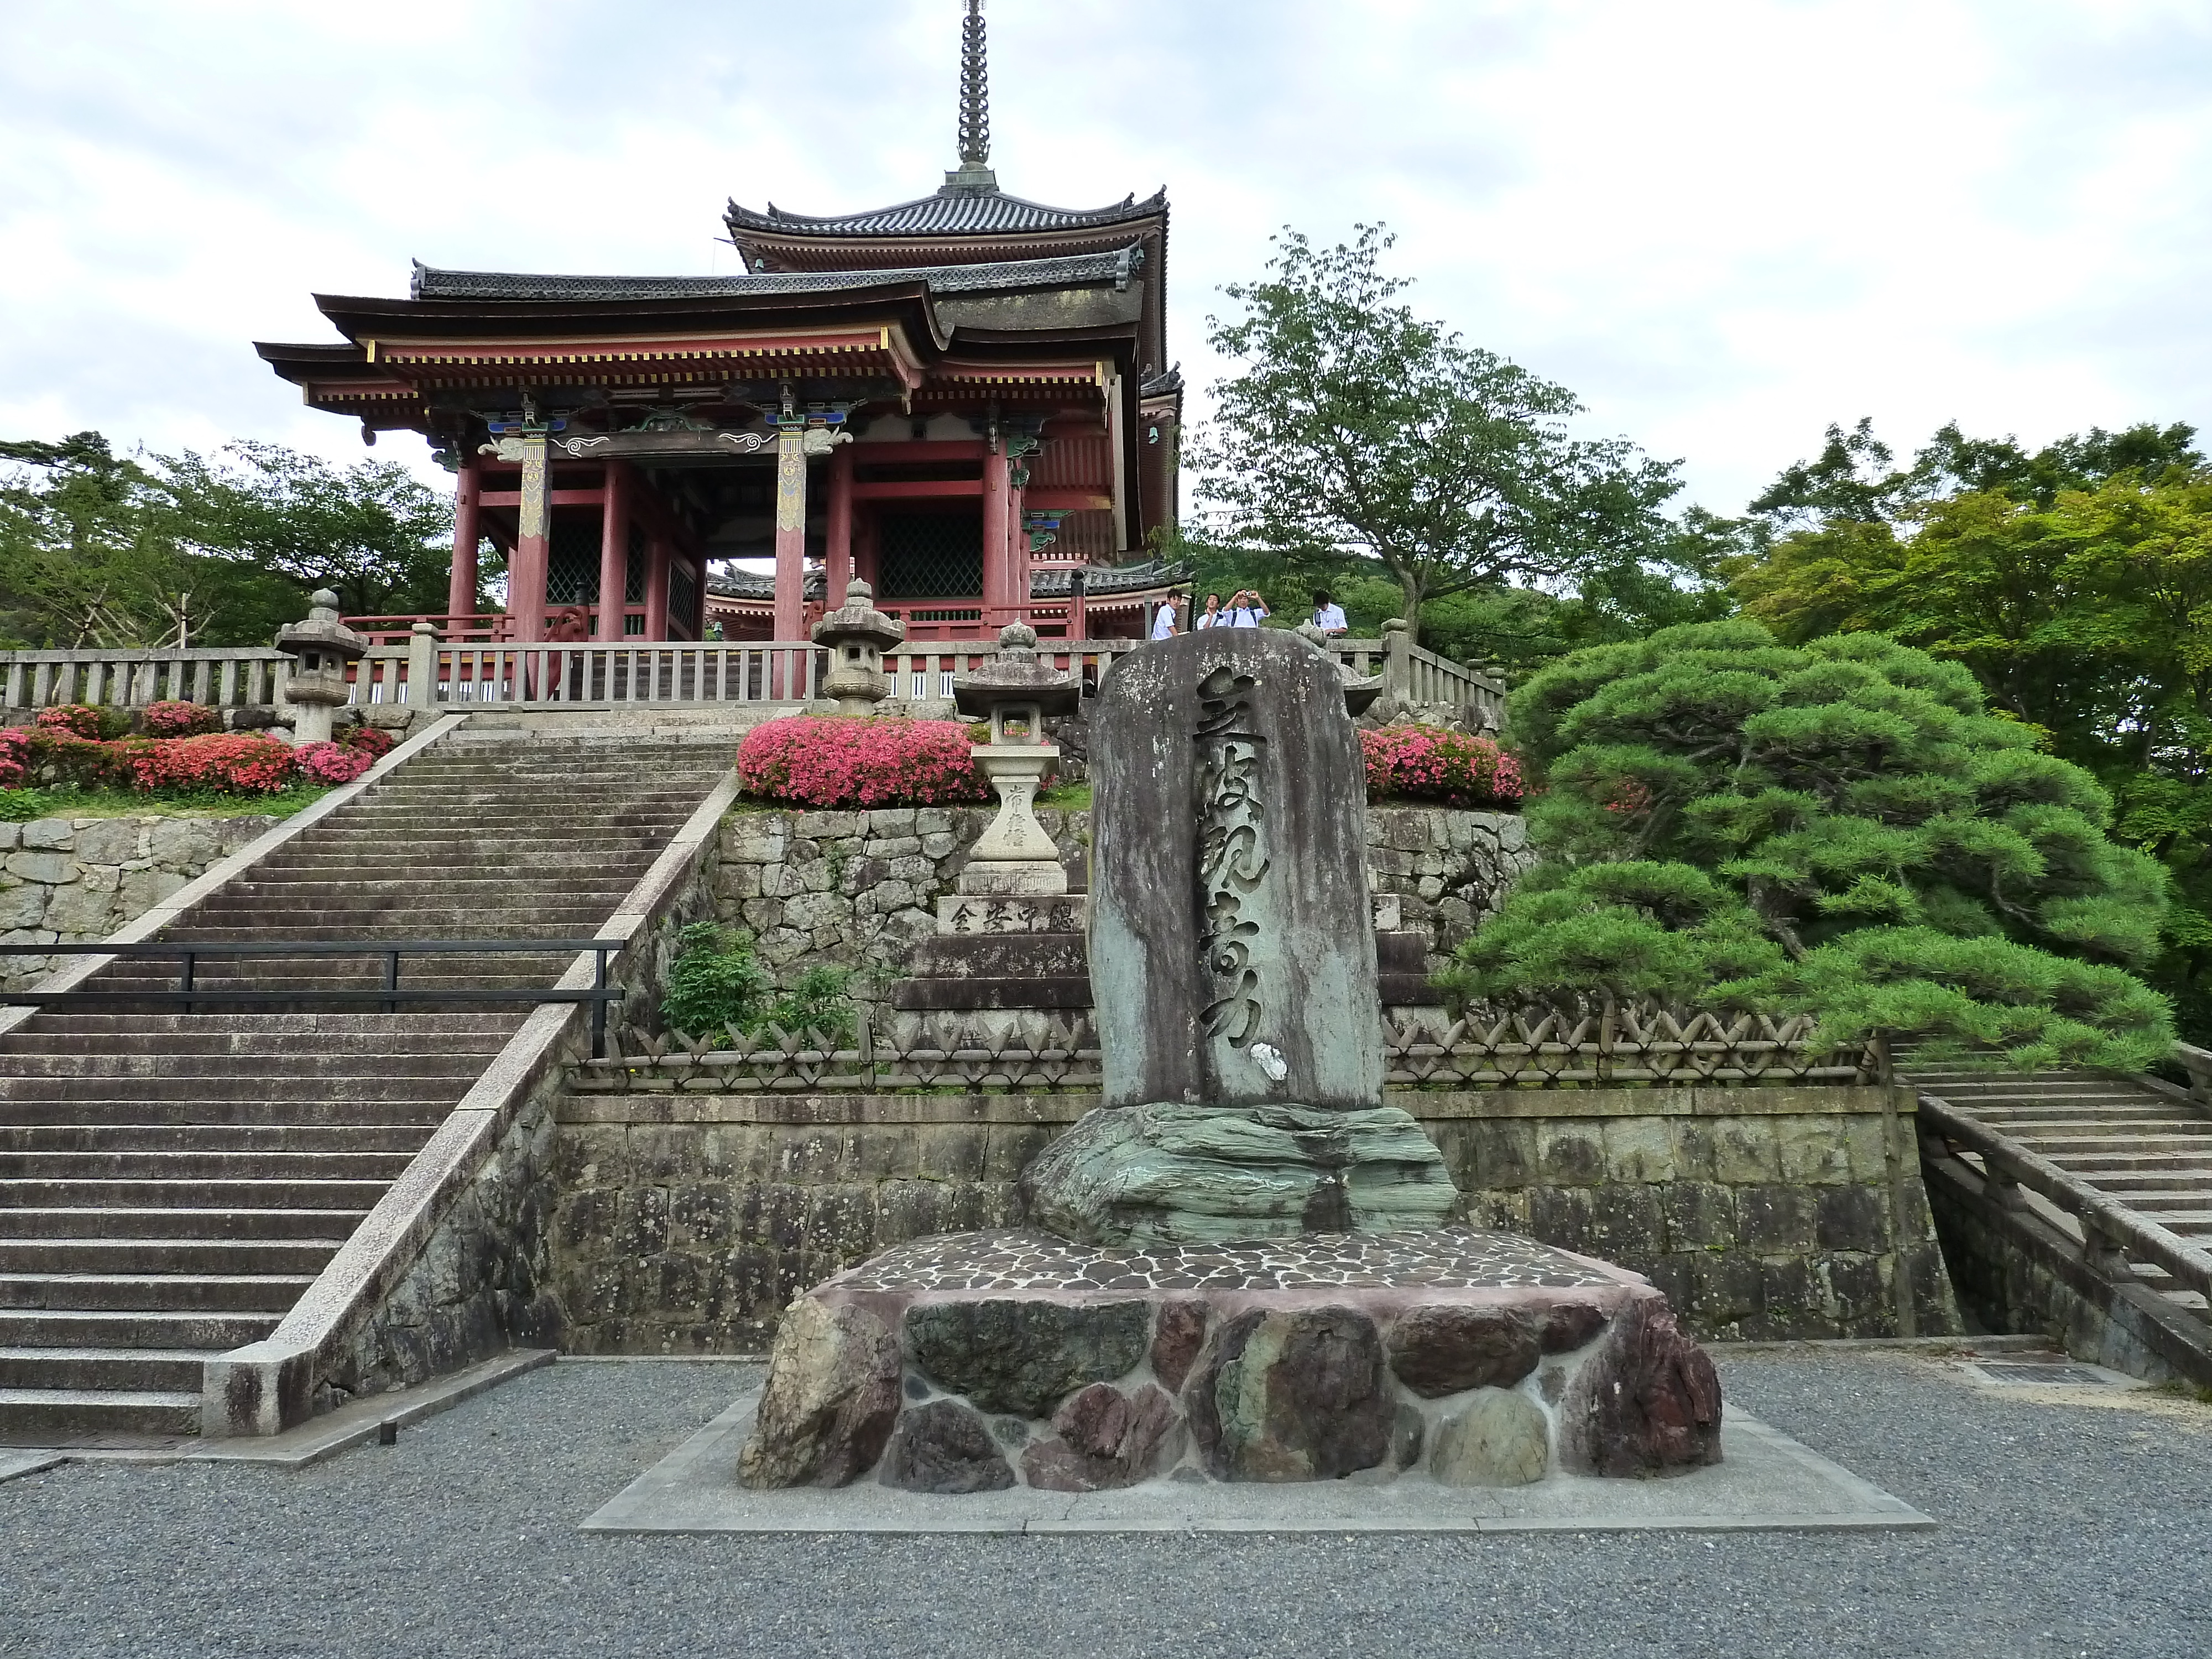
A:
(856, 635)
(1238, 1271)
(1232, 964)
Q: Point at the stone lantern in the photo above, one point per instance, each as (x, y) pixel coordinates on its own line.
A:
(1014, 857)
(856, 635)
(322, 649)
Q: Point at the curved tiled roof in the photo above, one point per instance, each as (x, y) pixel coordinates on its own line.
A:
(950, 212)
(430, 283)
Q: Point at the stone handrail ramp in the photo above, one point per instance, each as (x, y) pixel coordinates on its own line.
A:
(2086, 1200)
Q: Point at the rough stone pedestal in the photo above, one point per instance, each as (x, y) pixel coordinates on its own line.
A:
(981, 1361)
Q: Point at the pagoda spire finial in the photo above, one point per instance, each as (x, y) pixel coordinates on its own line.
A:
(975, 170)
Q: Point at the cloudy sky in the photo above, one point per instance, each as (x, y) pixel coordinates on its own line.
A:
(1723, 222)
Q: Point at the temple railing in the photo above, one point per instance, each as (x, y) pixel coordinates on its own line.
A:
(1041, 1053)
(428, 670)
(220, 678)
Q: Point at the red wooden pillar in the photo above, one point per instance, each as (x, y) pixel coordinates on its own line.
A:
(526, 567)
(656, 589)
(838, 555)
(613, 550)
(1017, 546)
(468, 531)
(997, 513)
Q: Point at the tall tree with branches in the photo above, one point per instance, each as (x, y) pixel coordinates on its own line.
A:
(1357, 430)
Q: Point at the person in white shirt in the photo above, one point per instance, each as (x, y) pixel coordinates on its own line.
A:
(1328, 616)
(1163, 620)
(1211, 617)
(1246, 610)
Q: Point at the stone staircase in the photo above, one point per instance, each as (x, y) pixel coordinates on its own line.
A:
(2146, 1147)
(171, 1183)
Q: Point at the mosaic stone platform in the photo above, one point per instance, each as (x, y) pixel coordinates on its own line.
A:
(978, 1362)
(1451, 1258)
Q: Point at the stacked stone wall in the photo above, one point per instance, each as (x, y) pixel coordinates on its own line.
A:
(687, 1222)
(856, 890)
(77, 880)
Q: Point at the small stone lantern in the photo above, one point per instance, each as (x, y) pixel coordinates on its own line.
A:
(856, 635)
(1014, 691)
(322, 649)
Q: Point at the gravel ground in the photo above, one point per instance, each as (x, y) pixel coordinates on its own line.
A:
(2068, 1531)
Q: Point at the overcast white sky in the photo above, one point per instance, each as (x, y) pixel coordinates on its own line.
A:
(1723, 222)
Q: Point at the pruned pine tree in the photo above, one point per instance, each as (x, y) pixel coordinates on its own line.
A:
(1840, 829)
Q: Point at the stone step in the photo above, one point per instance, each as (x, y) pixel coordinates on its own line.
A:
(27, 1415)
(260, 1044)
(269, 1293)
(110, 1164)
(242, 1139)
(265, 1067)
(30, 1192)
(2124, 1183)
(72, 1099)
(182, 1222)
(218, 1256)
(49, 1328)
(305, 1027)
(167, 1370)
(253, 1116)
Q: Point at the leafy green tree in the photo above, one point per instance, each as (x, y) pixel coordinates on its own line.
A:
(99, 548)
(2075, 582)
(372, 533)
(1840, 827)
(89, 555)
(1356, 430)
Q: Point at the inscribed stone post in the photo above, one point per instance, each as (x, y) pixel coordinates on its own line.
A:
(1232, 949)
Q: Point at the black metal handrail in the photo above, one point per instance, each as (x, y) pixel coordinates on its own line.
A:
(390, 994)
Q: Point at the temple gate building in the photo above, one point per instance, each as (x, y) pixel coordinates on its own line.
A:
(965, 399)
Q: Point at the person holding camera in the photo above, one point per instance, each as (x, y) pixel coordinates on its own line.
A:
(1246, 610)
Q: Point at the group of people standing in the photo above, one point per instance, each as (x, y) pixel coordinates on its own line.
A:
(1246, 608)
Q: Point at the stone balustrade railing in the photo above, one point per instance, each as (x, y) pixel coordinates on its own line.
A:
(427, 670)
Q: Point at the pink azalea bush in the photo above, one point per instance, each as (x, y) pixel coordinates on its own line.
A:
(15, 757)
(830, 761)
(76, 720)
(238, 763)
(1431, 763)
(175, 718)
(372, 741)
(332, 762)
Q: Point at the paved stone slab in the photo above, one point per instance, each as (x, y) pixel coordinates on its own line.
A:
(15, 1463)
(1768, 1482)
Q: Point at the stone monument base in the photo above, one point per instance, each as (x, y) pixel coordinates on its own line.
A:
(981, 1361)
(1171, 1175)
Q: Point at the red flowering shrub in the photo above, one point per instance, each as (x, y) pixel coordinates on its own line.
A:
(372, 741)
(331, 762)
(56, 753)
(232, 762)
(76, 719)
(829, 760)
(15, 757)
(1430, 763)
(177, 719)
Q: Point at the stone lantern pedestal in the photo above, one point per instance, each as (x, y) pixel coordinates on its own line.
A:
(1010, 936)
(856, 635)
(322, 649)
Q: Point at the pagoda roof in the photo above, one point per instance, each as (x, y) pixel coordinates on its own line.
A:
(1067, 271)
(953, 211)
